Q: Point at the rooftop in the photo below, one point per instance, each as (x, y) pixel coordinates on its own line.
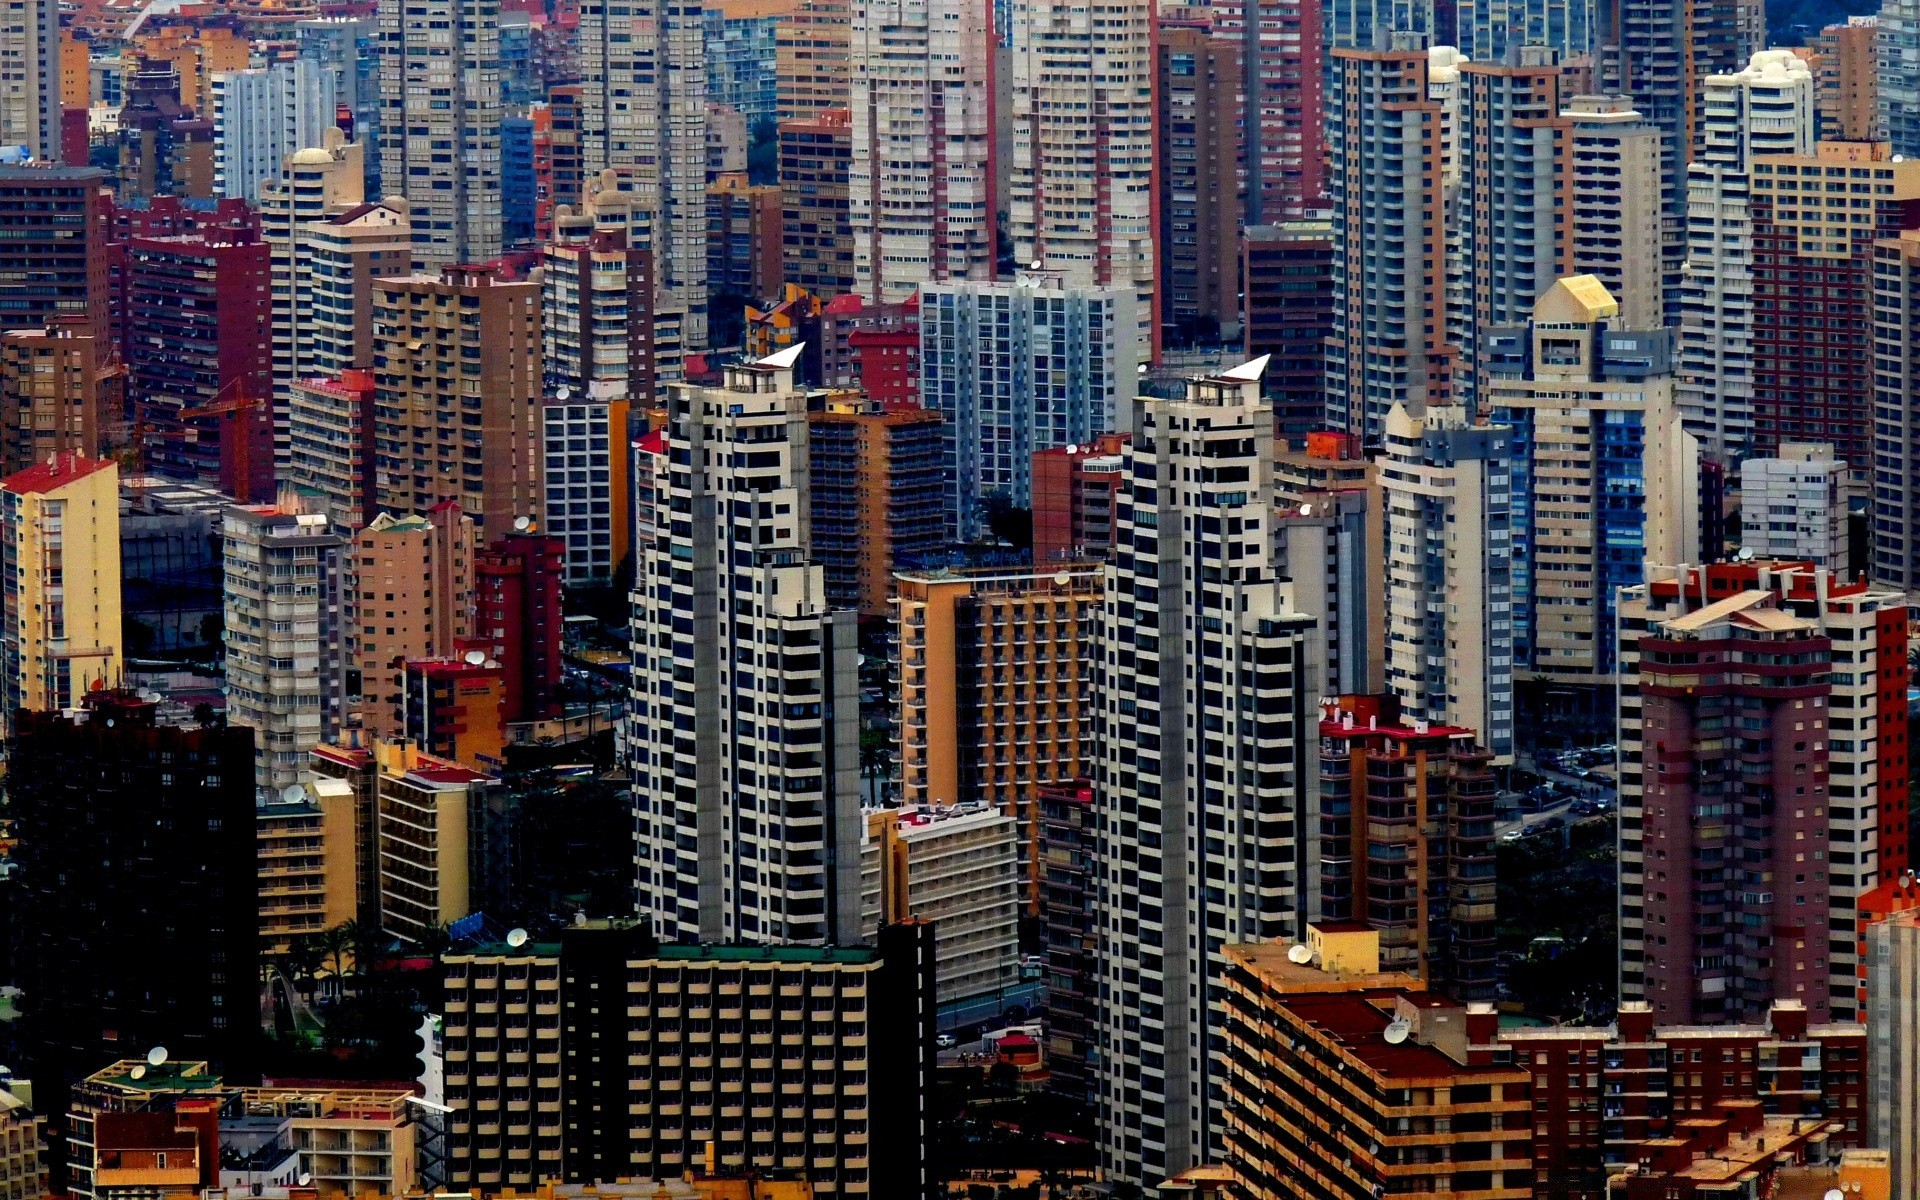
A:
(57, 472)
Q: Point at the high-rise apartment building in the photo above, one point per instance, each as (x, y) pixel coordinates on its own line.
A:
(517, 618)
(743, 236)
(1825, 656)
(1844, 79)
(962, 870)
(1329, 542)
(1384, 149)
(876, 497)
(199, 355)
(421, 835)
(643, 115)
(309, 183)
(1895, 509)
(307, 865)
(1449, 500)
(1074, 490)
(1203, 183)
(57, 267)
(1321, 1028)
(1793, 507)
(597, 300)
(456, 358)
(1406, 842)
(846, 1116)
(336, 261)
(347, 49)
(158, 819)
(1604, 477)
(1897, 75)
(921, 183)
(263, 115)
(1766, 108)
(813, 59)
(60, 630)
(1286, 280)
(410, 596)
(1020, 367)
(996, 688)
(1282, 52)
(59, 388)
(1486, 30)
(30, 79)
(1813, 371)
(440, 125)
(1515, 223)
(587, 503)
(330, 445)
(746, 812)
(1893, 1053)
(816, 222)
(1209, 663)
(1082, 175)
(284, 633)
(1615, 205)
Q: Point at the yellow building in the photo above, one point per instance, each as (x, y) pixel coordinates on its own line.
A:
(76, 83)
(996, 669)
(198, 54)
(421, 823)
(23, 1176)
(352, 1141)
(60, 559)
(308, 861)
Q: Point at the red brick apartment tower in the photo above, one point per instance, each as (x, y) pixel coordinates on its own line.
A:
(1734, 703)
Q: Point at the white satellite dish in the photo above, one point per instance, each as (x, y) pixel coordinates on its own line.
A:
(580, 919)
(139, 1072)
(516, 938)
(305, 1179)
(522, 524)
(1396, 1031)
(563, 393)
(476, 657)
(1037, 265)
(1072, 448)
(1306, 510)
(293, 793)
(1834, 1194)
(1063, 578)
(156, 1056)
(1299, 952)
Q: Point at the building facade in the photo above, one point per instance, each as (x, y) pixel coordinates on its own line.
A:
(439, 130)
(1793, 507)
(876, 494)
(410, 596)
(61, 635)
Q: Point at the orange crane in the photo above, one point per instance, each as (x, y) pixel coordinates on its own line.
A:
(242, 418)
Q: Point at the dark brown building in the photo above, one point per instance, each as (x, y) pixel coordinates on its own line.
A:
(816, 225)
(1202, 181)
(54, 264)
(1287, 272)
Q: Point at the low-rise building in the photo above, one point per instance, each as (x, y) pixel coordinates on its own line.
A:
(1793, 506)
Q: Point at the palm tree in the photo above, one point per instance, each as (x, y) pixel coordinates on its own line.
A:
(335, 943)
(303, 958)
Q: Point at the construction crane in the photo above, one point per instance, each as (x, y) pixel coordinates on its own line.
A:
(241, 418)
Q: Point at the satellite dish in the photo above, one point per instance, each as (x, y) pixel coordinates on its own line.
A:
(522, 524)
(1299, 953)
(1037, 265)
(305, 1179)
(580, 920)
(476, 657)
(139, 1072)
(1063, 578)
(1073, 448)
(1834, 1194)
(293, 793)
(1396, 1031)
(563, 393)
(516, 938)
(1306, 510)
(156, 1056)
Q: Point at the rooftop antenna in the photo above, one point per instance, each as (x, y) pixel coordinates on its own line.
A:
(1396, 1031)
(516, 938)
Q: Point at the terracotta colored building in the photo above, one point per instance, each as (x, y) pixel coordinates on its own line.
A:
(412, 598)
(59, 389)
(57, 265)
(876, 488)
(518, 620)
(455, 709)
(1073, 493)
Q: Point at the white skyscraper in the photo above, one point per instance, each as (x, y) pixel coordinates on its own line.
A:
(643, 114)
(30, 77)
(440, 124)
(744, 738)
(262, 116)
(1019, 367)
(1082, 174)
(1206, 777)
(1767, 108)
(920, 186)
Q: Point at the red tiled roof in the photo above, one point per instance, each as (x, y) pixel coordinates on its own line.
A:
(58, 471)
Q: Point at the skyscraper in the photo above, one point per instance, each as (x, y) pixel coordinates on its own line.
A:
(30, 78)
(1204, 184)
(643, 114)
(1485, 30)
(813, 59)
(58, 389)
(1384, 147)
(59, 583)
(1897, 81)
(440, 124)
(745, 769)
(1604, 478)
(57, 266)
(1205, 780)
(1767, 108)
(1282, 55)
(263, 115)
(410, 596)
(1515, 236)
(1896, 411)
(1448, 496)
(1081, 203)
(1019, 367)
(1615, 203)
(921, 182)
